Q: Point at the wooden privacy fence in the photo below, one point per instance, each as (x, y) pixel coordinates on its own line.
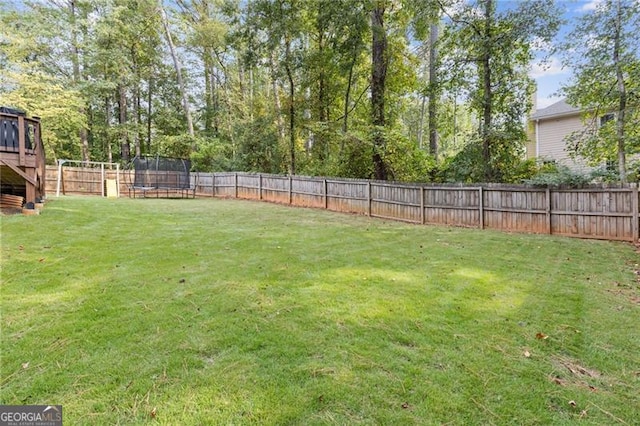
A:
(602, 213)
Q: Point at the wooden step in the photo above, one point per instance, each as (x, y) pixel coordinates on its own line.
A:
(11, 201)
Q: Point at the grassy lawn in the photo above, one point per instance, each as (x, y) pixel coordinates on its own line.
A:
(231, 312)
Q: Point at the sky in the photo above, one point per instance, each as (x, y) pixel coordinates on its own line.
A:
(550, 79)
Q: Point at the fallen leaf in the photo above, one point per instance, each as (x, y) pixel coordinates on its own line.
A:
(153, 413)
(20, 248)
(25, 365)
(527, 354)
(182, 280)
(405, 405)
(541, 336)
(573, 403)
(41, 260)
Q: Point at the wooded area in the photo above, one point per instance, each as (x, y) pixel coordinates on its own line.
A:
(601, 213)
(406, 90)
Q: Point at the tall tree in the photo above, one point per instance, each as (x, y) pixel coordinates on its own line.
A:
(178, 67)
(275, 27)
(433, 89)
(379, 63)
(606, 62)
(488, 53)
(77, 18)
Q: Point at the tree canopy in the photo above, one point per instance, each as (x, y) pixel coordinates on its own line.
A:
(607, 83)
(316, 87)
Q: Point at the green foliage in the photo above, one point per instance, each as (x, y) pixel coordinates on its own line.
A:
(466, 166)
(607, 76)
(58, 107)
(506, 162)
(523, 170)
(553, 174)
(406, 162)
(633, 171)
(271, 80)
(179, 146)
(489, 54)
(259, 148)
(354, 160)
(212, 155)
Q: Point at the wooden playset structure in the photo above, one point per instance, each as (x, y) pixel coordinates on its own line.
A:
(22, 158)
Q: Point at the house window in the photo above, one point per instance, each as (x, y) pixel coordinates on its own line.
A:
(604, 119)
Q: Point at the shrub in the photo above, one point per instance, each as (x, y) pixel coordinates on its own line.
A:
(559, 175)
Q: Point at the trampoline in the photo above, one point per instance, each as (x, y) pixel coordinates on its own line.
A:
(160, 177)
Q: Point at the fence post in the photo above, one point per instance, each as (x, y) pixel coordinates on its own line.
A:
(481, 206)
(59, 177)
(290, 189)
(369, 198)
(102, 180)
(636, 215)
(326, 195)
(213, 184)
(236, 183)
(548, 212)
(422, 215)
(118, 179)
(260, 186)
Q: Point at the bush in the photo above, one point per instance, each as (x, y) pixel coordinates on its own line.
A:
(212, 155)
(559, 175)
(504, 166)
(176, 146)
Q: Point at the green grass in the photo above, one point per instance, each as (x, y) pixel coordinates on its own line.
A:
(230, 312)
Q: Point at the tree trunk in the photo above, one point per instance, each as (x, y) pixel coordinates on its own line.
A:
(208, 89)
(137, 106)
(215, 101)
(347, 96)
(84, 136)
(125, 146)
(378, 78)
(251, 89)
(423, 101)
(292, 136)
(176, 64)
(622, 97)
(276, 100)
(107, 119)
(323, 115)
(433, 91)
(149, 111)
(487, 98)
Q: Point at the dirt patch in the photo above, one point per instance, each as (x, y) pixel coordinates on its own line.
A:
(7, 211)
(571, 373)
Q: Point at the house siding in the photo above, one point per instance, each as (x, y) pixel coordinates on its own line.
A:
(551, 143)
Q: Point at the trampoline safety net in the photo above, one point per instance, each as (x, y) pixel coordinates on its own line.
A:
(161, 172)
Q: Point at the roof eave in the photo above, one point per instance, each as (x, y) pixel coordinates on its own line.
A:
(551, 116)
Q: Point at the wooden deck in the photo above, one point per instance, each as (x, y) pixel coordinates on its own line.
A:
(22, 160)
